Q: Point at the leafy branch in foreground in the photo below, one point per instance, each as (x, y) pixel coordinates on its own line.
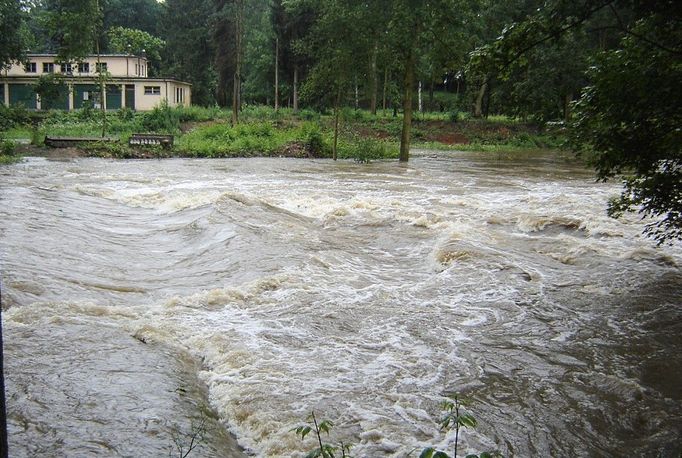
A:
(322, 450)
(455, 417)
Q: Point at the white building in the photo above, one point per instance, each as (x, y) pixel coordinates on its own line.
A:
(127, 84)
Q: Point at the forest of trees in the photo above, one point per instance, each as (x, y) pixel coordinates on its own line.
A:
(344, 52)
(609, 69)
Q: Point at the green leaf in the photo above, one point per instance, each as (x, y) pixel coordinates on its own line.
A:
(427, 453)
(325, 426)
(302, 431)
(314, 453)
(467, 420)
(328, 451)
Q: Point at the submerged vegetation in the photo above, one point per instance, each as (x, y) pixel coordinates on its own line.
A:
(455, 418)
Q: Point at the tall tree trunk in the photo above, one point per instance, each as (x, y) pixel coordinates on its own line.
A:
(568, 98)
(357, 93)
(478, 106)
(385, 88)
(408, 93)
(277, 74)
(374, 80)
(486, 109)
(337, 110)
(295, 88)
(419, 98)
(236, 82)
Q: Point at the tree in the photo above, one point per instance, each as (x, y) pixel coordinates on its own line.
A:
(291, 22)
(72, 26)
(228, 39)
(427, 22)
(11, 42)
(629, 115)
(258, 62)
(336, 43)
(189, 53)
(142, 15)
(137, 42)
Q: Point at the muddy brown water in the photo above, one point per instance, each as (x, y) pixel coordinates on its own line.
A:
(139, 294)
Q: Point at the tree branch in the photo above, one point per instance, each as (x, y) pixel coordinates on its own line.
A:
(624, 28)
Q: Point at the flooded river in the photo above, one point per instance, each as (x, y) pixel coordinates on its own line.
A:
(146, 301)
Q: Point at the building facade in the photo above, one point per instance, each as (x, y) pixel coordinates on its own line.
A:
(127, 84)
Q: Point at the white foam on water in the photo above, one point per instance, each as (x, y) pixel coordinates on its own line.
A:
(367, 297)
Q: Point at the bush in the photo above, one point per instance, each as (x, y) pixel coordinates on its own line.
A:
(313, 139)
(7, 148)
(13, 116)
(308, 115)
(162, 119)
(199, 114)
(125, 114)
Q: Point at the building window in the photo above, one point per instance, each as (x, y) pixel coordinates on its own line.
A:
(66, 68)
(30, 67)
(101, 67)
(152, 90)
(48, 67)
(84, 67)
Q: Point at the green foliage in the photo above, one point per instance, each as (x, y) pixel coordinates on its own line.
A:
(162, 118)
(12, 45)
(125, 114)
(455, 418)
(12, 116)
(630, 117)
(116, 150)
(364, 150)
(49, 86)
(72, 25)
(314, 140)
(8, 152)
(196, 113)
(143, 15)
(322, 450)
(189, 52)
(137, 42)
(7, 147)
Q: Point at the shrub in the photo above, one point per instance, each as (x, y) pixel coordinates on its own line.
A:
(7, 148)
(162, 119)
(314, 142)
(15, 115)
(199, 114)
(308, 115)
(125, 114)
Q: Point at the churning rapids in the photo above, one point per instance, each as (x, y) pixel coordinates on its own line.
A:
(134, 290)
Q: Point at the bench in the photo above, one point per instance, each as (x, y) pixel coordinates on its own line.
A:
(166, 141)
(66, 142)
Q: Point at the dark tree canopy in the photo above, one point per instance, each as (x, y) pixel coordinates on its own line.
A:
(11, 42)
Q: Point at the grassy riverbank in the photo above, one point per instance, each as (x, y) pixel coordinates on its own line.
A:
(208, 132)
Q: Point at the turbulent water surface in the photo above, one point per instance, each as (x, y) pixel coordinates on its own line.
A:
(134, 290)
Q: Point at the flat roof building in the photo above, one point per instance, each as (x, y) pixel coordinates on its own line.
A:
(127, 84)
